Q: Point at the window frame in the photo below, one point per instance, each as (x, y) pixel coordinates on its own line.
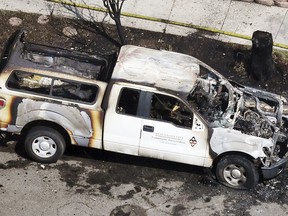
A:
(119, 98)
(145, 103)
(167, 121)
(53, 78)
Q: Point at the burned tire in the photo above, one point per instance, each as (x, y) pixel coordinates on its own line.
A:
(237, 172)
(44, 144)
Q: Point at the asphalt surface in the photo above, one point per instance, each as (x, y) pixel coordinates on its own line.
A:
(95, 183)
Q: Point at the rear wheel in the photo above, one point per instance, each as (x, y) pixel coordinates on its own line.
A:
(237, 172)
(44, 144)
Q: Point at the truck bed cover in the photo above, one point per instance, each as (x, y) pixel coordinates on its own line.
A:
(23, 54)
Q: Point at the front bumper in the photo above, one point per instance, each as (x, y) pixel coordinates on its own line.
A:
(275, 169)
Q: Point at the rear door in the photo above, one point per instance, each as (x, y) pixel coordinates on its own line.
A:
(122, 126)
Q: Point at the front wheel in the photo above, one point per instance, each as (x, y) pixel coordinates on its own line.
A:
(237, 172)
(44, 144)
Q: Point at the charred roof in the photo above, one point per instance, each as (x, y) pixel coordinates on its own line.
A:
(157, 68)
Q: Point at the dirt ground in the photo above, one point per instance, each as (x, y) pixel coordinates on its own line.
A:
(145, 173)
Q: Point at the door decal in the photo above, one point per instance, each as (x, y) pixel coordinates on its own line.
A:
(193, 141)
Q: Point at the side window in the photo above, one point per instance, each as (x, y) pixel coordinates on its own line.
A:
(166, 108)
(74, 91)
(30, 82)
(42, 85)
(128, 101)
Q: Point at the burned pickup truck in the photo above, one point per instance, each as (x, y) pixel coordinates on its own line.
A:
(141, 102)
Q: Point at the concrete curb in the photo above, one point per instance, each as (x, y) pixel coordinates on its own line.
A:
(279, 3)
(231, 21)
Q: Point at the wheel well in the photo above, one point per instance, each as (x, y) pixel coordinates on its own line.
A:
(219, 157)
(53, 125)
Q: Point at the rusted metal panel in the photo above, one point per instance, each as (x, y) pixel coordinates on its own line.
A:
(6, 112)
(97, 119)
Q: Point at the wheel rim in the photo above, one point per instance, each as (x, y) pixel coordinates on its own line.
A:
(44, 146)
(235, 175)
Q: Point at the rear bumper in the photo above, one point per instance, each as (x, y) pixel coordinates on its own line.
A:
(274, 170)
(11, 129)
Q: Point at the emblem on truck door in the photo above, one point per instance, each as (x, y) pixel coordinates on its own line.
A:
(198, 125)
(193, 141)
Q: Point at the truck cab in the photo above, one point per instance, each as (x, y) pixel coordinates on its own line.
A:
(174, 107)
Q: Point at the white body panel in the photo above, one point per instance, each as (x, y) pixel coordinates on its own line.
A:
(121, 132)
(227, 140)
(169, 142)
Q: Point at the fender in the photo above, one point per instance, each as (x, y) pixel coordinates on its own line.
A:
(227, 140)
(76, 122)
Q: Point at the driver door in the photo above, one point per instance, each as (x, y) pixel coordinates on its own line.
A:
(172, 132)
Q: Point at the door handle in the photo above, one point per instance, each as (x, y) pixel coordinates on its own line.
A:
(148, 128)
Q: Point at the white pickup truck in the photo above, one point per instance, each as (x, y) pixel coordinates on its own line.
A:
(142, 102)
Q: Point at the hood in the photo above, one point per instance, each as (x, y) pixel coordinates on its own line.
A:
(262, 114)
